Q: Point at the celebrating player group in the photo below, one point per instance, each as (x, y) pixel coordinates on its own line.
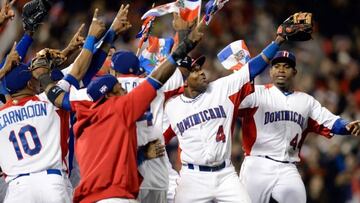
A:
(66, 108)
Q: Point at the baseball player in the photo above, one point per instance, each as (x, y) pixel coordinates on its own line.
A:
(125, 66)
(32, 153)
(276, 120)
(202, 118)
(109, 173)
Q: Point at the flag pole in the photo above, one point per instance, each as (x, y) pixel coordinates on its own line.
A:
(198, 18)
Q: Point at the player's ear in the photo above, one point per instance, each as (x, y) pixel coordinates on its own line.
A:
(294, 71)
(185, 83)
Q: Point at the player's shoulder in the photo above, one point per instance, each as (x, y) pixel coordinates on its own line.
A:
(303, 94)
(172, 101)
(263, 88)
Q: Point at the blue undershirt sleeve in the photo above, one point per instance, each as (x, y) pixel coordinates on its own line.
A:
(339, 127)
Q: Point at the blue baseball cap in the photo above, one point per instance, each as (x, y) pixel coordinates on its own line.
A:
(100, 86)
(17, 78)
(285, 57)
(126, 62)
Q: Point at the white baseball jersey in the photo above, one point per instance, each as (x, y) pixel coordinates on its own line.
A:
(204, 125)
(34, 136)
(150, 127)
(276, 124)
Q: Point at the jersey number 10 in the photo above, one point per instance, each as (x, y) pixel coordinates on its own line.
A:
(24, 142)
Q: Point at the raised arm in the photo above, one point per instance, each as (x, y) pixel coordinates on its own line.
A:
(75, 43)
(82, 62)
(118, 26)
(138, 100)
(42, 73)
(12, 59)
(6, 12)
(167, 68)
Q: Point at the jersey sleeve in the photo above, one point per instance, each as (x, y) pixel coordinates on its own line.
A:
(250, 101)
(135, 103)
(236, 86)
(73, 97)
(321, 120)
(174, 82)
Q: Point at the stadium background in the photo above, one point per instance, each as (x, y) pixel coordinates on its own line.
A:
(328, 68)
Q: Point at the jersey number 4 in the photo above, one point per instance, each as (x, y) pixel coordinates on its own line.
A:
(294, 142)
(25, 144)
(220, 135)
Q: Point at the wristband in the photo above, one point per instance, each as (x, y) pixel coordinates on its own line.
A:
(154, 83)
(89, 43)
(53, 93)
(72, 80)
(183, 49)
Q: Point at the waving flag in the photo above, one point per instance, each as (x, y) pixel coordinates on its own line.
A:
(212, 7)
(162, 10)
(234, 55)
(145, 31)
(189, 9)
(155, 53)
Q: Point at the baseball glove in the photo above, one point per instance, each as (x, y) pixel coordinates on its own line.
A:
(298, 27)
(34, 13)
(47, 58)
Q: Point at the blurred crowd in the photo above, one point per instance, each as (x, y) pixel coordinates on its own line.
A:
(328, 68)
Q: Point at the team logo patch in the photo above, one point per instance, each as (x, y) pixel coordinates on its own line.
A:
(103, 89)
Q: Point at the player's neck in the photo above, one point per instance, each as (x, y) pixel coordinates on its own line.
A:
(190, 93)
(22, 94)
(285, 89)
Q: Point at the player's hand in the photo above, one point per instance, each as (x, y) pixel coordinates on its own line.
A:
(354, 127)
(154, 149)
(179, 24)
(76, 41)
(97, 26)
(197, 32)
(6, 12)
(121, 22)
(12, 59)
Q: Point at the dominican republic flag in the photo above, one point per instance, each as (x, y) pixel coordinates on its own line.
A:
(156, 52)
(145, 30)
(234, 55)
(189, 9)
(162, 10)
(212, 7)
(146, 26)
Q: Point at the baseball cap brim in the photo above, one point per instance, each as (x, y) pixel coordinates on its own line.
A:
(199, 61)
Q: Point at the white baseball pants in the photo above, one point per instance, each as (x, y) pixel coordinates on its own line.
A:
(264, 178)
(219, 186)
(38, 187)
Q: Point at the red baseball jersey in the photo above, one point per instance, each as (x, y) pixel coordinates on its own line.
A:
(106, 144)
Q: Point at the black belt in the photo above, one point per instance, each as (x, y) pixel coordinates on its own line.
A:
(207, 168)
(284, 162)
